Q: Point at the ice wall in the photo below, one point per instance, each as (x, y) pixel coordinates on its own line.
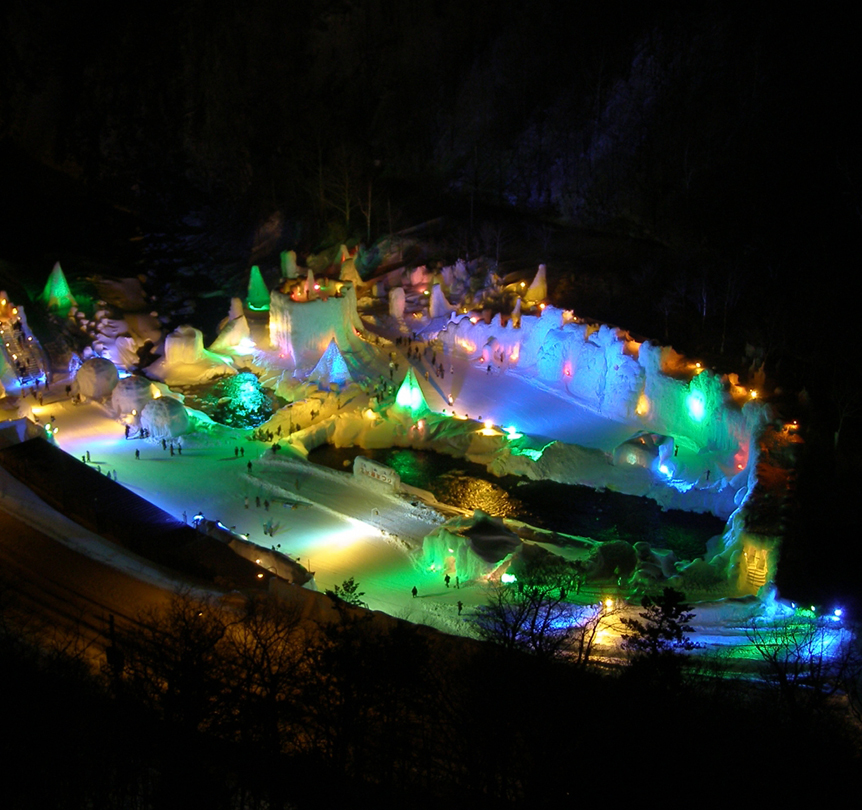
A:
(302, 329)
(602, 367)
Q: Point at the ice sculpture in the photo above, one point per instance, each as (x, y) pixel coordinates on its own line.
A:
(470, 547)
(234, 333)
(131, 395)
(165, 418)
(302, 329)
(258, 295)
(186, 362)
(96, 378)
(397, 300)
(331, 369)
(439, 306)
(288, 264)
(538, 290)
(57, 296)
(410, 396)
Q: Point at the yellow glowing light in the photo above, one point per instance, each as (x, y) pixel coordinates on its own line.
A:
(523, 284)
(642, 408)
(157, 394)
(15, 310)
(753, 393)
(134, 411)
(369, 414)
(541, 306)
(488, 423)
(260, 576)
(609, 603)
(257, 561)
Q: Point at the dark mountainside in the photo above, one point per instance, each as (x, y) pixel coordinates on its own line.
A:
(689, 171)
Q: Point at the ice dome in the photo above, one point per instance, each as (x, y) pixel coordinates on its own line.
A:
(132, 394)
(96, 378)
(165, 418)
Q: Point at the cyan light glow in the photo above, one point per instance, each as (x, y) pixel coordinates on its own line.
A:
(695, 405)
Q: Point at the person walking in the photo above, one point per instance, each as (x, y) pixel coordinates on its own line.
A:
(447, 579)
(137, 455)
(460, 607)
(249, 467)
(415, 592)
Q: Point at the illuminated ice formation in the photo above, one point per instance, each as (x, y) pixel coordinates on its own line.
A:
(620, 378)
(289, 268)
(186, 362)
(439, 306)
(56, 295)
(410, 397)
(258, 294)
(96, 378)
(348, 271)
(538, 290)
(131, 394)
(234, 334)
(469, 547)
(165, 418)
(397, 300)
(302, 327)
(331, 369)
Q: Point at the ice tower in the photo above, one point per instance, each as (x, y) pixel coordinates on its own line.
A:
(57, 296)
(410, 396)
(258, 294)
